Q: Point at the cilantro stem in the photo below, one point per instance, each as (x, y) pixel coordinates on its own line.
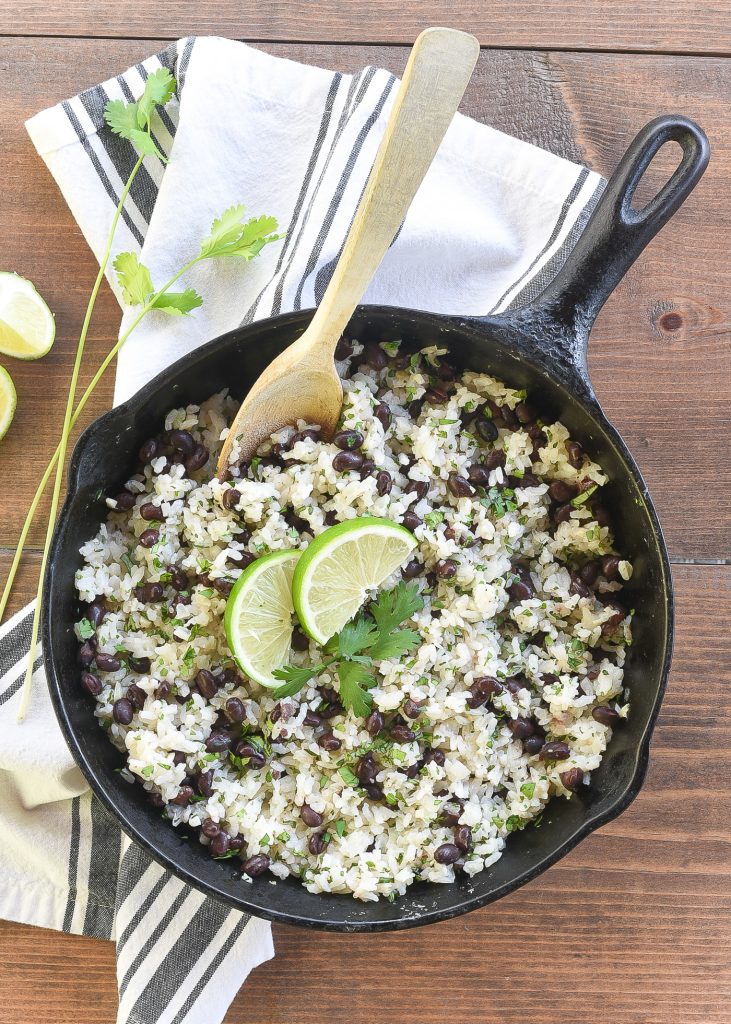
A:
(65, 431)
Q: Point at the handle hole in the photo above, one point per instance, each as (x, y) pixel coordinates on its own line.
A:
(661, 168)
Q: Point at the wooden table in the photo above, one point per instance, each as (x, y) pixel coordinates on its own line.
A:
(633, 927)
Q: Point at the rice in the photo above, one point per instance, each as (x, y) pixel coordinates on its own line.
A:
(515, 611)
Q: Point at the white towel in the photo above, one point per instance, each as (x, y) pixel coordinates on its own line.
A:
(491, 224)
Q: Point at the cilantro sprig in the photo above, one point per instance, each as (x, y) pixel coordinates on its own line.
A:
(230, 235)
(373, 636)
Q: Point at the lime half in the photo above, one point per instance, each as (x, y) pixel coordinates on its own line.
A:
(258, 618)
(27, 327)
(8, 401)
(339, 568)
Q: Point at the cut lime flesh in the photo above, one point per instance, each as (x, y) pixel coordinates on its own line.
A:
(8, 401)
(339, 568)
(258, 619)
(27, 327)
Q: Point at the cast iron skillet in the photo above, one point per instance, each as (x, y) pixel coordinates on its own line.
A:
(541, 347)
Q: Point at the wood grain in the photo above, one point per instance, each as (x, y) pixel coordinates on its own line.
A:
(673, 26)
(664, 380)
(633, 927)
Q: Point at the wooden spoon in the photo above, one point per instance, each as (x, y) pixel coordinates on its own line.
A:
(302, 382)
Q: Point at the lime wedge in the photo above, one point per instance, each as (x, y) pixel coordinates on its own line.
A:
(258, 619)
(339, 568)
(8, 401)
(27, 327)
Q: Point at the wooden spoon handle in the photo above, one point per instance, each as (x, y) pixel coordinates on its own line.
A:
(437, 73)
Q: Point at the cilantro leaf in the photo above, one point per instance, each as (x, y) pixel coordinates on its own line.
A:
(134, 279)
(159, 89)
(231, 237)
(294, 678)
(86, 629)
(121, 117)
(392, 607)
(355, 680)
(355, 637)
(348, 775)
(393, 645)
(178, 303)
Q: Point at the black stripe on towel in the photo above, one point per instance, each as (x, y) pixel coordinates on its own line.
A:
(73, 862)
(18, 684)
(563, 213)
(210, 972)
(339, 191)
(155, 934)
(14, 646)
(106, 842)
(96, 163)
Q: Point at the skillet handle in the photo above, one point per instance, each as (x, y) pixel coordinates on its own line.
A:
(616, 233)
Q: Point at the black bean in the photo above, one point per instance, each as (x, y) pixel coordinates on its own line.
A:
(249, 753)
(496, 459)
(311, 818)
(555, 751)
(236, 843)
(525, 413)
(300, 640)
(374, 723)
(231, 498)
(308, 434)
(330, 710)
(122, 711)
(107, 662)
(218, 742)
(562, 514)
(235, 710)
(446, 569)
(475, 699)
(463, 838)
(384, 483)
(460, 486)
(411, 709)
(86, 654)
(572, 779)
(91, 684)
(479, 474)
(210, 828)
(383, 415)
(374, 791)
(575, 453)
(181, 441)
(367, 769)
(436, 395)
(148, 538)
(414, 408)
(125, 501)
(521, 727)
(184, 795)
(412, 569)
(329, 742)
(347, 440)
(316, 843)
(148, 451)
(312, 718)
(450, 813)
(197, 459)
(561, 492)
(510, 417)
(437, 756)
(610, 567)
(96, 611)
(410, 520)
(418, 487)
(344, 348)
(367, 468)
(522, 588)
(488, 685)
(136, 696)
(153, 593)
(516, 685)
(375, 357)
(219, 845)
(206, 683)
(486, 429)
(223, 586)
(162, 692)
(204, 783)
(577, 586)
(150, 512)
(527, 480)
(344, 462)
(178, 579)
(533, 744)
(605, 715)
(141, 665)
(401, 733)
(256, 865)
(589, 573)
(447, 853)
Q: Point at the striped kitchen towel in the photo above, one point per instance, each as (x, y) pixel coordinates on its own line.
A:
(492, 223)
